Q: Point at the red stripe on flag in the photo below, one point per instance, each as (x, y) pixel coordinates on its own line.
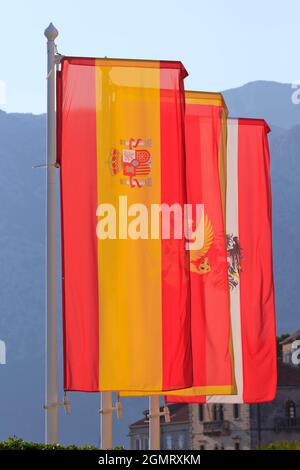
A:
(79, 241)
(177, 354)
(256, 278)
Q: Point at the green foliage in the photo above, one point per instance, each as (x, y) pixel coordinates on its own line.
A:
(14, 443)
(279, 346)
(281, 446)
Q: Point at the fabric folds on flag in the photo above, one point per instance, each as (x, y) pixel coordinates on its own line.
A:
(205, 135)
(249, 246)
(126, 302)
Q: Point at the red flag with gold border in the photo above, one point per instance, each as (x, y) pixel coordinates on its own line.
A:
(205, 131)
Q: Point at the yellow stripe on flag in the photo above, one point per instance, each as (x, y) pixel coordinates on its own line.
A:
(136, 322)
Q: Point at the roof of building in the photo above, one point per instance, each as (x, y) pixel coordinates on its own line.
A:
(179, 414)
(288, 375)
(291, 338)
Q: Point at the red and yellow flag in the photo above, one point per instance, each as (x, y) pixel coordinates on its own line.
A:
(249, 246)
(126, 300)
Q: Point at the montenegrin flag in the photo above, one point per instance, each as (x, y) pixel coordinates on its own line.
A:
(126, 290)
(205, 132)
(249, 247)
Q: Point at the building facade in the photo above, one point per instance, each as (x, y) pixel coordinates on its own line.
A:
(291, 349)
(244, 427)
(220, 427)
(173, 435)
(232, 427)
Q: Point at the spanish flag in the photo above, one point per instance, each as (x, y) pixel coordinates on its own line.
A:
(249, 247)
(126, 290)
(205, 131)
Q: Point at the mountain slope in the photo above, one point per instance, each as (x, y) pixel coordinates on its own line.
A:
(285, 173)
(270, 100)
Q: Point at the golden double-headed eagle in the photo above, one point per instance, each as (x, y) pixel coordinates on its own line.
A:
(199, 263)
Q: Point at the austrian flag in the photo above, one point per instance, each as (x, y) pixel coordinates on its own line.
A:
(249, 247)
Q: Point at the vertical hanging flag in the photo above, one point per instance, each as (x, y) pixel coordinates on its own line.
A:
(205, 135)
(126, 292)
(249, 246)
(206, 116)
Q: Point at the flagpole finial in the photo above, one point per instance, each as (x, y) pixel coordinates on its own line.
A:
(51, 32)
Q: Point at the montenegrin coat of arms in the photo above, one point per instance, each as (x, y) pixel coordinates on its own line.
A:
(210, 258)
(199, 261)
(132, 162)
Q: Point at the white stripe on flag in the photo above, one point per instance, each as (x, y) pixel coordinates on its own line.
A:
(232, 227)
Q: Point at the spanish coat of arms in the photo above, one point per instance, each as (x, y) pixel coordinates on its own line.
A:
(133, 162)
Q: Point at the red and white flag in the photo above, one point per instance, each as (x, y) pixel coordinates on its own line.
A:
(249, 246)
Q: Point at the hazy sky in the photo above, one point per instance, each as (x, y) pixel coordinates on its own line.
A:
(222, 43)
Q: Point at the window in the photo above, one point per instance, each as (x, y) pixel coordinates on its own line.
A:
(287, 357)
(168, 442)
(236, 411)
(181, 441)
(201, 413)
(202, 447)
(218, 413)
(237, 446)
(146, 444)
(137, 444)
(290, 409)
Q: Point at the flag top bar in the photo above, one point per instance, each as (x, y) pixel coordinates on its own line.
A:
(209, 98)
(252, 121)
(74, 60)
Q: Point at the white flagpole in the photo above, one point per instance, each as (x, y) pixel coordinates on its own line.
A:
(106, 410)
(154, 422)
(51, 414)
